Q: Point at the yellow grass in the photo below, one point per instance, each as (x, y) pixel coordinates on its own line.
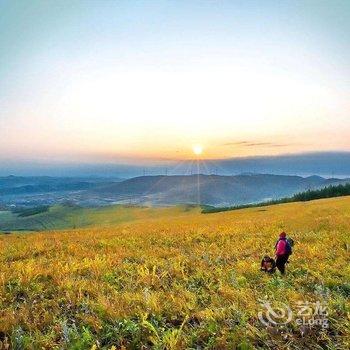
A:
(184, 280)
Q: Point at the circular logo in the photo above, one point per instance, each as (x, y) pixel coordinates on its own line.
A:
(280, 314)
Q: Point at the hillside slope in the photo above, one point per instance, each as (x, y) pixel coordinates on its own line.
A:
(187, 281)
(61, 217)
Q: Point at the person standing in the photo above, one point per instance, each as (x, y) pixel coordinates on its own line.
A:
(283, 250)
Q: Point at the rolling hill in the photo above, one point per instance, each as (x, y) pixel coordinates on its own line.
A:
(178, 281)
(59, 217)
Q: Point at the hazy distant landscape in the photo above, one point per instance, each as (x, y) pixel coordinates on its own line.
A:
(215, 190)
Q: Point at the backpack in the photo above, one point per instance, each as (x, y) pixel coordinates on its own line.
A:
(289, 245)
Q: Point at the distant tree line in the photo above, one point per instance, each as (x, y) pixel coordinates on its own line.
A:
(326, 192)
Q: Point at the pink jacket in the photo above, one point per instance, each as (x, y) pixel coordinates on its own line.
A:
(281, 247)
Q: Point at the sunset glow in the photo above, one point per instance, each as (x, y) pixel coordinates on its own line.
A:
(151, 80)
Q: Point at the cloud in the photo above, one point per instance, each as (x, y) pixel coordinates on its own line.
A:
(235, 143)
(255, 144)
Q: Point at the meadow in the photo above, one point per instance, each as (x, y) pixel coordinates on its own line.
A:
(177, 279)
(59, 217)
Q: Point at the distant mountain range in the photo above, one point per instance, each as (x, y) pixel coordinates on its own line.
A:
(17, 185)
(215, 190)
(209, 189)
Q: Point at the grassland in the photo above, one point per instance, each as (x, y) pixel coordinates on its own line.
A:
(60, 217)
(175, 279)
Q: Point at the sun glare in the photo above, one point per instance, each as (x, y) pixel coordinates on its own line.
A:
(197, 149)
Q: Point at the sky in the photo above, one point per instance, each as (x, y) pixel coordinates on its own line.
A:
(131, 81)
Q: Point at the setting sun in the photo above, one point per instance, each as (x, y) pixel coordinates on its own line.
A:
(197, 149)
